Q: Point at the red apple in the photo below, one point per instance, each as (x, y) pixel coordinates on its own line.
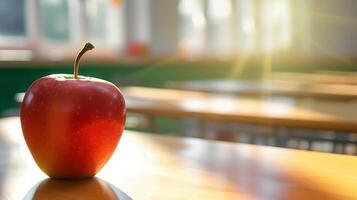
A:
(72, 124)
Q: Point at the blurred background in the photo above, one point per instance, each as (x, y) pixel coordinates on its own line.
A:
(270, 72)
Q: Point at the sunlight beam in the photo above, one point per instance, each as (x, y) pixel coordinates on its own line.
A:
(238, 65)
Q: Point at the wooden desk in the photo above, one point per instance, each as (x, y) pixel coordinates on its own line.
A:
(327, 77)
(285, 87)
(147, 166)
(285, 112)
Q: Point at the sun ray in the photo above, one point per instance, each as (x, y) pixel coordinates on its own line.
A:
(267, 65)
(157, 64)
(238, 65)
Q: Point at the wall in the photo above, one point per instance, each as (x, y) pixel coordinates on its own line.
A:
(334, 27)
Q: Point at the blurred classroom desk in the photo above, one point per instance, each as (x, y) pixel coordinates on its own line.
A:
(285, 87)
(327, 77)
(150, 166)
(273, 111)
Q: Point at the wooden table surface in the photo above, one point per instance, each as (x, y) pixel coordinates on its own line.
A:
(285, 112)
(328, 77)
(150, 166)
(284, 87)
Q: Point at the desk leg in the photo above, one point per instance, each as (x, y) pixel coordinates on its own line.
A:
(280, 136)
(253, 138)
(152, 124)
(340, 137)
(309, 144)
(335, 147)
(201, 129)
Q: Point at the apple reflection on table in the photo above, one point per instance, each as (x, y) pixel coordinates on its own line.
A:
(90, 188)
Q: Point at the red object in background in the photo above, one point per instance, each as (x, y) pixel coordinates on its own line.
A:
(116, 2)
(137, 49)
(72, 127)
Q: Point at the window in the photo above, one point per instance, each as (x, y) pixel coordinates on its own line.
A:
(245, 25)
(12, 21)
(192, 29)
(226, 27)
(275, 25)
(54, 20)
(219, 22)
(103, 20)
(55, 29)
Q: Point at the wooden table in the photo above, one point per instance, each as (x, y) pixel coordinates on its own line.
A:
(279, 112)
(148, 166)
(280, 87)
(327, 77)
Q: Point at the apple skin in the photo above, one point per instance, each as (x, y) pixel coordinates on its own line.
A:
(72, 127)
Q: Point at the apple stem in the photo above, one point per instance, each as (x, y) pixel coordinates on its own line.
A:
(86, 48)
